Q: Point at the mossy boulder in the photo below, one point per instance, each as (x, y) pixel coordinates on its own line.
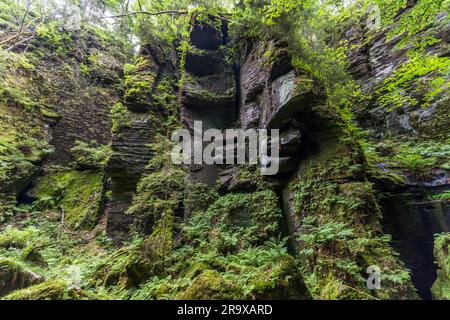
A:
(282, 281)
(441, 287)
(125, 268)
(48, 290)
(17, 238)
(210, 285)
(13, 276)
(78, 195)
(140, 78)
(197, 269)
(31, 253)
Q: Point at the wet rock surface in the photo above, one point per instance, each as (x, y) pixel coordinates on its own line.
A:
(378, 59)
(412, 218)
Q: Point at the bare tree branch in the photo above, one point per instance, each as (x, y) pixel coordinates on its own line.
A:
(22, 23)
(20, 42)
(158, 13)
(169, 12)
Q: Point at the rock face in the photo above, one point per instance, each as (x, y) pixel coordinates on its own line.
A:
(209, 89)
(83, 99)
(318, 163)
(441, 287)
(272, 95)
(63, 96)
(321, 182)
(127, 164)
(13, 277)
(372, 62)
(130, 143)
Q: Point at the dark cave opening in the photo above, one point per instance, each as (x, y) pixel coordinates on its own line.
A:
(24, 197)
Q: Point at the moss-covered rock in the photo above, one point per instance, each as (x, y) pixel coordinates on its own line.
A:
(210, 285)
(140, 78)
(48, 290)
(14, 276)
(125, 268)
(17, 238)
(79, 196)
(31, 253)
(197, 269)
(441, 287)
(240, 220)
(335, 219)
(282, 281)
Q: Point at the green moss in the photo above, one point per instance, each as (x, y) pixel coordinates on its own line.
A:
(50, 34)
(238, 220)
(409, 80)
(49, 113)
(210, 286)
(120, 118)
(90, 155)
(32, 254)
(14, 276)
(23, 139)
(441, 287)
(197, 269)
(199, 197)
(159, 193)
(444, 196)
(280, 281)
(77, 195)
(17, 238)
(125, 268)
(139, 81)
(48, 290)
(339, 233)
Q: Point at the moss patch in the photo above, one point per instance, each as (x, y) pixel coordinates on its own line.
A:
(210, 286)
(14, 276)
(76, 194)
(48, 290)
(441, 287)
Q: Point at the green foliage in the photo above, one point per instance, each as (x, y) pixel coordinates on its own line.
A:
(120, 117)
(415, 19)
(441, 287)
(124, 268)
(415, 162)
(16, 238)
(199, 197)
(90, 155)
(336, 244)
(409, 81)
(325, 233)
(416, 157)
(264, 272)
(335, 250)
(52, 35)
(161, 192)
(444, 196)
(237, 220)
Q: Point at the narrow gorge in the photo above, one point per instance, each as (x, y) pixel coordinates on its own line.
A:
(92, 206)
